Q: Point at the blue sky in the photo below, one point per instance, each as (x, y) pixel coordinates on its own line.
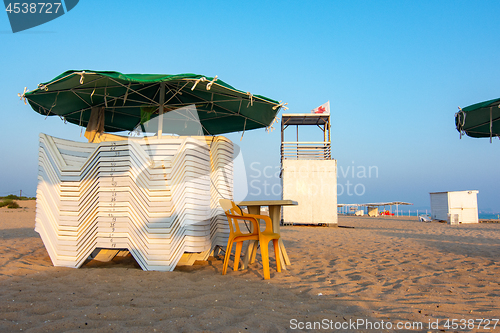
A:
(394, 72)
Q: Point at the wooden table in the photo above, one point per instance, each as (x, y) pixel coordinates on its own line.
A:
(275, 215)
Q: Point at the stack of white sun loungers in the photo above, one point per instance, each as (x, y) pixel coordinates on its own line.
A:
(157, 198)
(222, 187)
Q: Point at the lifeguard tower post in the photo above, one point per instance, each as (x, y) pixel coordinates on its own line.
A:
(308, 173)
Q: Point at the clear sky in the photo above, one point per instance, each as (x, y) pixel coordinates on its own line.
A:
(394, 72)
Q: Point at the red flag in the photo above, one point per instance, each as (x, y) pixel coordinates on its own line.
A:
(322, 109)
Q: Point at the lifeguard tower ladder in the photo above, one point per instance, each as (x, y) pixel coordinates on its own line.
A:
(308, 173)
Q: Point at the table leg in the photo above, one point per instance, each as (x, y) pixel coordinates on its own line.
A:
(252, 245)
(253, 251)
(284, 255)
(275, 215)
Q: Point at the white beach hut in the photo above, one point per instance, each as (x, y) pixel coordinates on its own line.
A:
(454, 206)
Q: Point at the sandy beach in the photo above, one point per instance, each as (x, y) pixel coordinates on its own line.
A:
(395, 270)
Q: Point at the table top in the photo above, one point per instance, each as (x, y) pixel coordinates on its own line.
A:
(268, 203)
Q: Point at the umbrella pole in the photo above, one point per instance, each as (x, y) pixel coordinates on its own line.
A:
(491, 123)
(162, 101)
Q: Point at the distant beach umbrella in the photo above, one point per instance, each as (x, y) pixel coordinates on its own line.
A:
(481, 120)
(124, 102)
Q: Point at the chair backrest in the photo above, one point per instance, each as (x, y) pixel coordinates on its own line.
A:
(231, 209)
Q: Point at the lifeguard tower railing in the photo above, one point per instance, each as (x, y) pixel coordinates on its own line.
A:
(306, 150)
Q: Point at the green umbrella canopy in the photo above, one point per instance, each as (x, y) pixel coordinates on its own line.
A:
(481, 120)
(126, 97)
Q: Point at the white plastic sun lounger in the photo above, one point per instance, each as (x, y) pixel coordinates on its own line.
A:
(157, 198)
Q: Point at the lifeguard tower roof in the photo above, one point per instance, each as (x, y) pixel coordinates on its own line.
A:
(304, 119)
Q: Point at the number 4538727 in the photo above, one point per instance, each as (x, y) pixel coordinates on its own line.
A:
(33, 7)
(471, 324)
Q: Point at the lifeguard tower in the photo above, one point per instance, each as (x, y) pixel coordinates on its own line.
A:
(308, 172)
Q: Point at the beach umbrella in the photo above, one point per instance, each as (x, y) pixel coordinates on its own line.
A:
(126, 101)
(481, 120)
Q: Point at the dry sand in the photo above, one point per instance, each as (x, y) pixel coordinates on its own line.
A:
(390, 269)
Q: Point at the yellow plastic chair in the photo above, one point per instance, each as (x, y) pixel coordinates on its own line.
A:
(234, 214)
